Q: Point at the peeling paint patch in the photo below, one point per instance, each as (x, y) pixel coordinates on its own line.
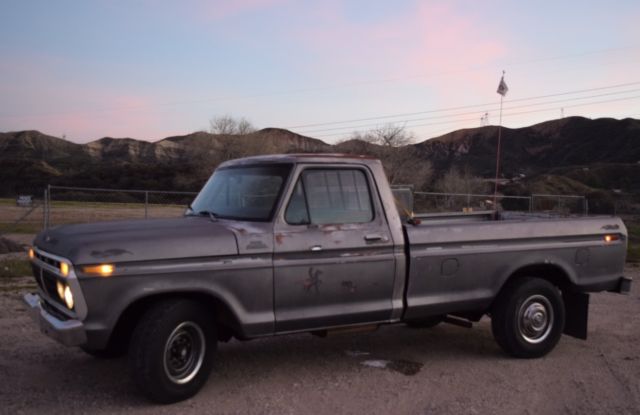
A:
(256, 245)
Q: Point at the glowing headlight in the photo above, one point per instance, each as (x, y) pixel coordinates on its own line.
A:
(68, 297)
(64, 269)
(32, 253)
(103, 270)
(60, 289)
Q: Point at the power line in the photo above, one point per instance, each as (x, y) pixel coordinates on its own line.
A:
(504, 115)
(351, 127)
(462, 107)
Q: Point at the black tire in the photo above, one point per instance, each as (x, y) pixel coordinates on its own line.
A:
(425, 323)
(172, 350)
(527, 318)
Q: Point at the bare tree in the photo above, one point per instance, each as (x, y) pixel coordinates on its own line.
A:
(388, 135)
(390, 143)
(404, 166)
(461, 182)
(224, 125)
(244, 127)
(456, 181)
(227, 125)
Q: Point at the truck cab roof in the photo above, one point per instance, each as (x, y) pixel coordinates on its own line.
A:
(294, 158)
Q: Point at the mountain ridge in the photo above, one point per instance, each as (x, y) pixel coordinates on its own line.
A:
(32, 159)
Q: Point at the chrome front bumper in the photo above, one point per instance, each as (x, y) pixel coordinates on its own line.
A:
(67, 332)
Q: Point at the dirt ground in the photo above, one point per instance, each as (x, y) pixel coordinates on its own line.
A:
(396, 370)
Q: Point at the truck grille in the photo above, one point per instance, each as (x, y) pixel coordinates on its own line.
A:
(46, 279)
(49, 282)
(47, 260)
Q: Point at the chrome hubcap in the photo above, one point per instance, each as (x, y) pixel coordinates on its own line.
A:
(184, 352)
(535, 319)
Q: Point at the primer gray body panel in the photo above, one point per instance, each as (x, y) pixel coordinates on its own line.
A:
(462, 266)
(139, 240)
(271, 280)
(331, 275)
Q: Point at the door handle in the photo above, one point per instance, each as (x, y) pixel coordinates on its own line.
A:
(373, 237)
(316, 248)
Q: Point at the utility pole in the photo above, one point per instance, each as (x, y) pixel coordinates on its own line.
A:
(502, 90)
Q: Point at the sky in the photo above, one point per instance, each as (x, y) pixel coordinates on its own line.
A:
(151, 69)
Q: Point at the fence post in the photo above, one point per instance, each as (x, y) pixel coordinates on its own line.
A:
(146, 203)
(530, 204)
(48, 206)
(586, 207)
(533, 203)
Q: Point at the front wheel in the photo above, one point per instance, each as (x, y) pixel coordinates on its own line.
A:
(527, 318)
(172, 350)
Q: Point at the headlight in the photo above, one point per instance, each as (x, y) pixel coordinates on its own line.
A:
(68, 297)
(32, 253)
(60, 289)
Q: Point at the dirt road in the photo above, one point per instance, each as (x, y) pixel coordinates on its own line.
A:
(396, 370)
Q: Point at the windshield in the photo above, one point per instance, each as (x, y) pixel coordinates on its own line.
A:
(244, 193)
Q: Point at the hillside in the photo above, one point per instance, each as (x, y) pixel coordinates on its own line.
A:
(570, 155)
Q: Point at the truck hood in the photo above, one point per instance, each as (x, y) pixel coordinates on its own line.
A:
(139, 240)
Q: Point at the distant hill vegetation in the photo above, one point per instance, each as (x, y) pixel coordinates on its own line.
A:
(571, 155)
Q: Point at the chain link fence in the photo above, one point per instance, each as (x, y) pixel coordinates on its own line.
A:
(562, 204)
(23, 213)
(64, 205)
(434, 202)
(57, 205)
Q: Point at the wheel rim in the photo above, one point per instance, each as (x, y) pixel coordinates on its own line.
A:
(535, 319)
(184, 352)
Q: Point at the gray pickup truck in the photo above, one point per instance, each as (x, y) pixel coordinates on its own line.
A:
(311, 243)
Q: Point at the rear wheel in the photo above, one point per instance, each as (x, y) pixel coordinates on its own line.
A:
(172, 350)
(527, 318)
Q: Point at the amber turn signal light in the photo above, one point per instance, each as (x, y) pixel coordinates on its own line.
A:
(32, 253)
(611, 238)
(64, 269)
(103, 270)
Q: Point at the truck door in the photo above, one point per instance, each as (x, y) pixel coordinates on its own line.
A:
(334, 255)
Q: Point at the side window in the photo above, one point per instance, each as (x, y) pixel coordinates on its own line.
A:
(297, 213)
(330, 197)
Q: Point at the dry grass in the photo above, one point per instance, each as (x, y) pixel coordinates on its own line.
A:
(79, 212)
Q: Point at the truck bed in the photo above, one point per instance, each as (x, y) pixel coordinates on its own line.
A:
(459, 262)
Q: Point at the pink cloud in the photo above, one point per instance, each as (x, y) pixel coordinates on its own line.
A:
(432, 45)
